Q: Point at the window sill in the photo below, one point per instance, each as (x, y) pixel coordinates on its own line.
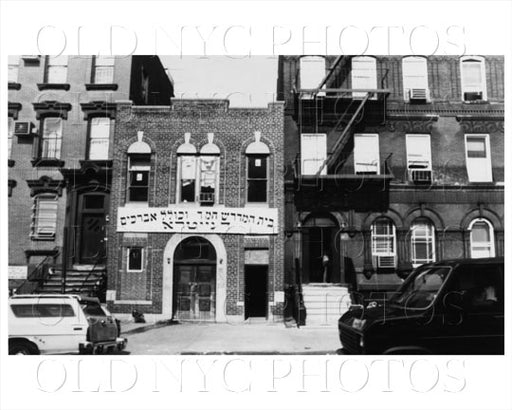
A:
(94, 87)
(136, 205)
(53, 86)
(47, 162)
(475, 102)
(43, 238)
(11, 163)
(257, 205)
(14, 86)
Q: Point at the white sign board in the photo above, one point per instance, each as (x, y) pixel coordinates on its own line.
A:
(18, 272)
(245, 221)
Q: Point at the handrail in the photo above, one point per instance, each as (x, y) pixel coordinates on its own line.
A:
(38, 274)
(89, 274)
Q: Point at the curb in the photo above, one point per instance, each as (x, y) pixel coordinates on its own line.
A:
(142, 329)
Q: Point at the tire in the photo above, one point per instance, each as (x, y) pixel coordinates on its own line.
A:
(22, 348)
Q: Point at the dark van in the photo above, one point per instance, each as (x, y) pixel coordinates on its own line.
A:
(447, 307)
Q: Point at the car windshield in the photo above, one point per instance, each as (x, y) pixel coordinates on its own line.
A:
(421, 289)
(92, 309)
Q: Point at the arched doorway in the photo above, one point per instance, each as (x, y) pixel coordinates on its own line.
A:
(194, 279)
(320, 249)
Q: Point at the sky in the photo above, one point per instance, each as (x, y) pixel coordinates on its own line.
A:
(245, 81)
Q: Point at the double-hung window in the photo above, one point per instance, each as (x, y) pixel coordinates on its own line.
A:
(10, 135)
(473, 82)
(138, 177)
(419, 157)
(383, 238)
(99, 138)
(56, 69)
(364, 75)
(478, 158)
(13, 68)
(103, 72)
(366, 154)
(415, 79)
(312, 72)
(422, 243)
(135, 259)
(481, 239)
(51, 140)
(313, 153)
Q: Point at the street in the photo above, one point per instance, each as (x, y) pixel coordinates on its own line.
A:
(223, 338)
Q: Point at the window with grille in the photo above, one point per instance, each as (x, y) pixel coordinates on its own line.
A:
(99, 137)
(56, 69)
(44, 219)
(51, 140)
(103, 70)
(481, 239)
(473, 82)
(422, 243)
(383, 238)
(13, 68)
(138, 177)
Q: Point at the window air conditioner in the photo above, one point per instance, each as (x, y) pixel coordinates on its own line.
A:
(473, 96)
(23, 128)
(419, 94)
(385, 262)
(420, 176)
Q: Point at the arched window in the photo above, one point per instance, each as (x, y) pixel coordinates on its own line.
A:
(257, 154)
(481, 238)
(422, 242)
(415, 79)
(364, 75)
(383, 237)
(187, 171)
(139, 165)
(472, 77)
(209, 163)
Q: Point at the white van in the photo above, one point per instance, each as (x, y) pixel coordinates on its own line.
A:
(56, 324)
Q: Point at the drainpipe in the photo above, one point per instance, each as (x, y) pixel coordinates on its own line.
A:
(64, 260)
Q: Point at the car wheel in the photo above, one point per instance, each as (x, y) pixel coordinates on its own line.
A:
(22, 348)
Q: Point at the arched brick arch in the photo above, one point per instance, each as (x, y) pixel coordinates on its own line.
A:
(427, 213)
(390, 213)
(491, 216)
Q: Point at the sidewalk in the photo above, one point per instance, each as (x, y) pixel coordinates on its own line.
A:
(223, 338)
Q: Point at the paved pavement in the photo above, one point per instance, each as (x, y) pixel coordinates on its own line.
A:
(224, 338)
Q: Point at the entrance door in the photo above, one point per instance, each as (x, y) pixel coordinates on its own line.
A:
(195, 293)
(256, 288)
(92, 210)
(195, 264)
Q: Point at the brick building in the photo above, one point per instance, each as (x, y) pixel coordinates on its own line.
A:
(393, 161)
(61, 116)
(197, 210)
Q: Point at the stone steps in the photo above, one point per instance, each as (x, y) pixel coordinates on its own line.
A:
(325, 303)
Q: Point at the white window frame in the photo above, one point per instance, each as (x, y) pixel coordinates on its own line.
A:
(490, 244)
(13, 69)
(312, 71)
(362, 167)
(376, 237)
(473, 165)
(463, 82)
(103, 141)
(410, 152)
(36, 231)
(266, 179)
(142, 252)
(199, 173)
(179, 178)
(358, 79)
(320, 154)
(409, 78)
(105, 64)
(428, 239)
(45, 141)
(10, 136)
(57, 62)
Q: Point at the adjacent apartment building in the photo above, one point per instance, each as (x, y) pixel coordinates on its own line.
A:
(62, 117)
(392, 162)
(197, 211)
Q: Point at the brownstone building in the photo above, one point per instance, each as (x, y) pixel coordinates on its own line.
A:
(392, 161)
(197, 211)
(61, 118)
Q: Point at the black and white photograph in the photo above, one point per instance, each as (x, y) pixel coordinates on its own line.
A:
(255, 207)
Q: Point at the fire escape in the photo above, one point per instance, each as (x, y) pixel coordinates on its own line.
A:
(340, 113)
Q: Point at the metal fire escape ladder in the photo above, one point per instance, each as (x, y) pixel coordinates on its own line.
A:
(343, 138)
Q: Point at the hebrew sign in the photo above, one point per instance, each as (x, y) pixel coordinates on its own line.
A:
(245, 221)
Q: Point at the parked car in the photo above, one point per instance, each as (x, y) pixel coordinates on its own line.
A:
(448, 307)
(56, 324)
